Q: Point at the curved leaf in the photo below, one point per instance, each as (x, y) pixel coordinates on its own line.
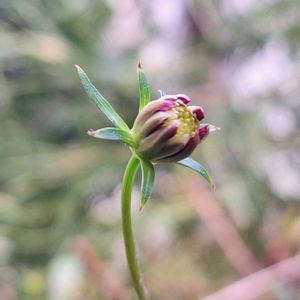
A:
(100, 101)
(144, 89)
(197, 167)
(112, 133)
(148, 175)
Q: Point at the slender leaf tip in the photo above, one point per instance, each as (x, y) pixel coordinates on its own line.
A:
(77, 68)
(91, 132)
(213, 128)
(197, 167)
(102, 104)
(141, 207)
(210, 181)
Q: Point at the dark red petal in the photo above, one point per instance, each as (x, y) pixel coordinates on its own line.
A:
(184, 98)
(150, 109)
(155, 141)
(185, 152)
(153, 123)
(169, 98)
(168, 149)
(197, 111)
(169, 104)
(203, 132)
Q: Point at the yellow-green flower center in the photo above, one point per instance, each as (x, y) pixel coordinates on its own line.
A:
(187, 122)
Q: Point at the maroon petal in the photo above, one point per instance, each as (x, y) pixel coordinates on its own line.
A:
(185, 152)
(184, 98)
(168, 149)
(169, 104)
(153, 123)
(150, 109)
(203, 132)
(153, 142)
(197, 111)
(170, 97)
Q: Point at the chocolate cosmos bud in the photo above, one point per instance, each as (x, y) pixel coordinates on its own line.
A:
(167, 130)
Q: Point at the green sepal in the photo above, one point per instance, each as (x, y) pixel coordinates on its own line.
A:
(144, 89)
(197, 167)
(148, 175)
(100, 101)
(113, 133)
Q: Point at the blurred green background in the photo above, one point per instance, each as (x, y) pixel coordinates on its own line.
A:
(60, 234)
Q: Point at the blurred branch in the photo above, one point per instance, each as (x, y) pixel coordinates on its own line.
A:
(109, 287)
(257, 284)
(7, 292)
(220, 227)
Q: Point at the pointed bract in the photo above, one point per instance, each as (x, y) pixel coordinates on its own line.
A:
(197, 167)
(100, 101)
(144, 89)
(148, 175)
(112, 133)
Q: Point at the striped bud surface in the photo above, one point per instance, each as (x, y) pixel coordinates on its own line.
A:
(168, 130)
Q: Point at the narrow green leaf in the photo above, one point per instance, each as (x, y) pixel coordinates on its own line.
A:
(113, 133)
(144, 89)
(100, 101)
(148, 175)
(197, 167)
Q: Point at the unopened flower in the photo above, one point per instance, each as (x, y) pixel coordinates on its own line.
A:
(168, 130)
(165, 130)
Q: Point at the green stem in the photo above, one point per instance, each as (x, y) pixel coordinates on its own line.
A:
(136, 276)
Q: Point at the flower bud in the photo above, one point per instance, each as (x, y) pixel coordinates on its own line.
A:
(167, 130)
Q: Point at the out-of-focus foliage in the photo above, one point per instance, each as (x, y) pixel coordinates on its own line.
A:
(239, 59)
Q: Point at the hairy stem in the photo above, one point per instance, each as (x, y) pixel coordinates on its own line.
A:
(136, 275)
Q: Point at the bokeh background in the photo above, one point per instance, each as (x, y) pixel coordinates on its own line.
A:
(60, 232)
